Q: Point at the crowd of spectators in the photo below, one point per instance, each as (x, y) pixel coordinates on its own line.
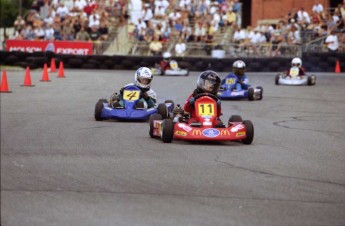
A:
(183, 21)
(295, 28)
(70, 20)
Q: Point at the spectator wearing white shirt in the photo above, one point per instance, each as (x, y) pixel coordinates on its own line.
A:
(62, 11)
(180, 48)
(146, 13)
(317, 7)
(332, 42)
(303, 16)
(173, 17)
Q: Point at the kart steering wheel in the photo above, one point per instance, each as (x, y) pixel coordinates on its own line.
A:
(206, 94)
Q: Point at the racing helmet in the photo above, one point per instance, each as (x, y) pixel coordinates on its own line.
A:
(143, 77)
(296, 62)
(208, 82)
(239, 67)
(167, 56)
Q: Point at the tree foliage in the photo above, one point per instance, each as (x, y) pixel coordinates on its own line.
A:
(10, 9)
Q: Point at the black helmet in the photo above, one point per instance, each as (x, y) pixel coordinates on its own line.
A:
(239, 67)
(208, 82)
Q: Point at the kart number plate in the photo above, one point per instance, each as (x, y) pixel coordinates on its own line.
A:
(206, 110)
(230, 81)
(131, 95)
(294, 72)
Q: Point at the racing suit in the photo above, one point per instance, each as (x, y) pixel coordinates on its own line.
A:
(241, 83)
(190, 108)
(165, 65)
(148, 97)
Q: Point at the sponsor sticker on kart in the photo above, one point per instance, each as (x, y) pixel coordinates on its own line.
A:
(294, 72)
(240, 134)
(237, 128)
(181, 133)
(131, 95)
(185, 127)
(237, 93)
(210, 132)
(230, 81)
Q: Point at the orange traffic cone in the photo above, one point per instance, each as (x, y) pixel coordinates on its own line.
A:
(27, 79)
(45, 76)
(61, 73)
(4, 85)
(52, 65)
(337, 67)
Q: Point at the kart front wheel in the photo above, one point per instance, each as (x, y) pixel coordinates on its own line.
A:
(249, 132)
(167, 130)
(251, 94)
(235, 118)
(163, 111)
(152, 118)
(99, 108)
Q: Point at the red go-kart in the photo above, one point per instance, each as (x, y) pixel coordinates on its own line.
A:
(204, 127)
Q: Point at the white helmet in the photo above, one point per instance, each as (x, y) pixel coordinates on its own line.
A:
(239, 67)
(166, 56)
(296, 62)
(143, 77)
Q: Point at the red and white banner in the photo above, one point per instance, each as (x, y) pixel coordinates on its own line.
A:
(58, 47)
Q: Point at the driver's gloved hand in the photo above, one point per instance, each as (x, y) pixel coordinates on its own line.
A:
(121, 90)
(144, 95)
(191, 101)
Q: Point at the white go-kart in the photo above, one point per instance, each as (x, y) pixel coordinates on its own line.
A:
(293, 79)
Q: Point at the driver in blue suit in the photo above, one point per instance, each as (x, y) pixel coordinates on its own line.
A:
(238, 69)
(143, 78)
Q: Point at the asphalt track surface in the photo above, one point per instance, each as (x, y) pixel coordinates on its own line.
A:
(61, 167)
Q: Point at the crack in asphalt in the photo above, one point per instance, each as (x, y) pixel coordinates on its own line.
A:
(277, 175)
(300, 118)
(172, 194)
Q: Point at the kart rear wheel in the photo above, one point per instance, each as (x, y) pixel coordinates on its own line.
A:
(167, 130)
(311, 80)
(277, 79)
(235, 118)
(99, 108)
(261, 92)
(152, 118)
(249, 132)
(251, 94)
(163, 111)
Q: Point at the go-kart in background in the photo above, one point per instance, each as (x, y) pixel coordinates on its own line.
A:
(318, 62)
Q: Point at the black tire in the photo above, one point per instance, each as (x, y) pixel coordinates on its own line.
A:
(170, 101)
(152, 118)
(277, 79)
(261, 92)
(235, 118)
(187, 73)
(163, 111)
(311, 80)
(167, 130)
(99, 108)
(249, 132)
(251, 94)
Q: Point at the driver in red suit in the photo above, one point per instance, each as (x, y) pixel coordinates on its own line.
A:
(165, 63)
(296, 62)
(208, 83)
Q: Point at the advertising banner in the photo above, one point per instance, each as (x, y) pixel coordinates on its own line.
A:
(58, 47)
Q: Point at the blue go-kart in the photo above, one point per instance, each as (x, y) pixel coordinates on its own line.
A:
(131, 95)
(230, 91)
